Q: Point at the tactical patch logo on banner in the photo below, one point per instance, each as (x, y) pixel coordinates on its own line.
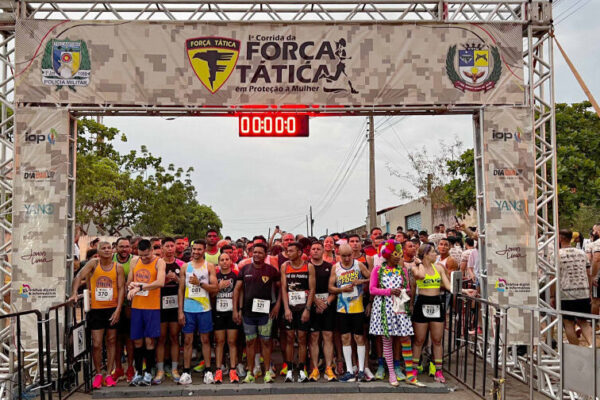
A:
(474, 72)
(213, 59)
(66, 63)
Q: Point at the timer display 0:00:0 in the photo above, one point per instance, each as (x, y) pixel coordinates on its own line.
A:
(273, 125)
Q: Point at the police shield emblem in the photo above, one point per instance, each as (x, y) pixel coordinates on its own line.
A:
(479, 67)
(213, 59)
(473, 65)
(66, 63)
(265, 279)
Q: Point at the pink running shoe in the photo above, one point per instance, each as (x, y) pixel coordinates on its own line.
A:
(109, 381)
(439, 377)
(97, 383)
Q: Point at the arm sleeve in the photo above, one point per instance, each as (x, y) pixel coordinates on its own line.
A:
(373, 289)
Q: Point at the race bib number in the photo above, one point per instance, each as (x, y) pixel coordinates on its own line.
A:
(297, 298)
(225, 305)
(322, 296)
(143, 293)
(197, 291)
(104, 294)
(431, 310)
(169, 302)
(353, 293)
(261, 306)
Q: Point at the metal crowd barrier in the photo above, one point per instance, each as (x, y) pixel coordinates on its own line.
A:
(474, 343)
(59, 365)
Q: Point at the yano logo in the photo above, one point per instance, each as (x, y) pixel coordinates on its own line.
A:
(505, 135)
(508, 172)
(39, 138)
(39, 209)
(511, 205)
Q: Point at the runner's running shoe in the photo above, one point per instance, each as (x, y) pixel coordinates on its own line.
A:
(314, 375)
(97, 383)
(200, 367)
(208, 378)
(329, 375)
(233, 376)
(147, 380)
(289, 377)
(118, 374)
(439, 377)
(136, 381)
(348, 377)
(257, 371)
(249, 378)
(269, 376)
(432, 369)
(361, 377)
(109, 381)
(159, 378)
(380, 373)
(185, 379)
(284, 369)
(241, 371)
(219, 376)
(130, 373)
(399, 374)
(369, 375)
(175, 375)
(302, 376)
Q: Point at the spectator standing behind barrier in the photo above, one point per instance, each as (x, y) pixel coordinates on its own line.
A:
(106, 282)
(574, 288)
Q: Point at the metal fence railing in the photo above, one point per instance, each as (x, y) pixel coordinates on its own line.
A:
(56, 359)
(477, 354)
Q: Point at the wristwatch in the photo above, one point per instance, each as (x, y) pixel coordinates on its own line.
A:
(141, 286)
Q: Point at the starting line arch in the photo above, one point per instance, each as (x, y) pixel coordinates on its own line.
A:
(490, 58)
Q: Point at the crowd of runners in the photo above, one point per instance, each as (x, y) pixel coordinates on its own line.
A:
(332, 306)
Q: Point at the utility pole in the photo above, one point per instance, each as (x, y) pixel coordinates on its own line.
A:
(429, 194)
(306, 225)
(312, 222)
(372, 208)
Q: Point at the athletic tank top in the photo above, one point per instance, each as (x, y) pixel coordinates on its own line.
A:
(104, 287)
(146, 273)
(443, 262)
(297, 286)
(125, 264)
(430, 281)
(349, 302)
(196, 298)
(322, 274)
(212, 258)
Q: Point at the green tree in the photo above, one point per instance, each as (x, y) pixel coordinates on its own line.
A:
(578, 168)
(461, 189)
(427, 171)
(134, 190)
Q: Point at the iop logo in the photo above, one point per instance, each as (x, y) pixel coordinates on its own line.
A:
(52, 136)
(24, 290)
(500, 285)
(505, 135)
(35, 138)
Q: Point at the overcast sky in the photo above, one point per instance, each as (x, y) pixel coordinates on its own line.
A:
(254, 184)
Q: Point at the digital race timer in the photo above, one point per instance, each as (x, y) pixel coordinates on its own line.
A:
(273, 125)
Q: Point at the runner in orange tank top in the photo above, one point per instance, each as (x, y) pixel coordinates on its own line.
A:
(107, 291)
(146, 277)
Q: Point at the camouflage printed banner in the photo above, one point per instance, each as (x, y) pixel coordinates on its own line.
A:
(40, 208)
(232, 64)
(509, 173)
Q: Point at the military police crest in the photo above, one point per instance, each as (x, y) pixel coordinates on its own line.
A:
(66, 63)
(478, 70)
